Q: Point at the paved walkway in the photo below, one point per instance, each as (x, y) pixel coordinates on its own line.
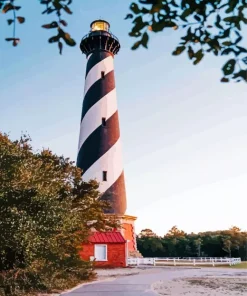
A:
(140, 284)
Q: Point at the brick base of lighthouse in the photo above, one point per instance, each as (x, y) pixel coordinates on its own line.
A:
(127, 230)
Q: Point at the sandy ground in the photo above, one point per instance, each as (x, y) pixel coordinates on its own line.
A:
(107, 274)
(210, 282)
(214, 284)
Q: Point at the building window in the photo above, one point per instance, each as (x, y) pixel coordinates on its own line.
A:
(100, 252)
(103, 121)
(102, 74)
(104, 175)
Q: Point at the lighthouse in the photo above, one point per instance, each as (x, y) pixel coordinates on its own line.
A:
(100, 150)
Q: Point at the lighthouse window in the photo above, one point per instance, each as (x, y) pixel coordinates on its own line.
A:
(104, 175)
(100, 26)
(102, 74)
(103, 121)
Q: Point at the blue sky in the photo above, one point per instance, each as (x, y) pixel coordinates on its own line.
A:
(184, 134)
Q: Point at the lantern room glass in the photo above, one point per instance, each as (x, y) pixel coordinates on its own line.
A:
(100, 26)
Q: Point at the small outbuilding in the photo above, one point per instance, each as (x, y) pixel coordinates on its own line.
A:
(107, 249)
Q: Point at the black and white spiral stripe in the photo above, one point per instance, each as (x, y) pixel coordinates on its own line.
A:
(99, 144)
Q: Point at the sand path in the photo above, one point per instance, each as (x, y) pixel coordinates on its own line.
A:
(166, 281)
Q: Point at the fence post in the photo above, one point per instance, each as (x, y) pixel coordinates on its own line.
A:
(154, 262)
(213, 261)
(194, 262)
(174, 262)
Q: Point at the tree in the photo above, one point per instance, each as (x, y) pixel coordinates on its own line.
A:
(198, 244)
(45, 208)
(237, 239)
(175, 232)
(212, 27)
(150, 246)
(147, 233)
(177, 243)
(227, 246)
(235, 229)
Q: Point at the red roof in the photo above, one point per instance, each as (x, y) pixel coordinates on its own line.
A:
(107, 237)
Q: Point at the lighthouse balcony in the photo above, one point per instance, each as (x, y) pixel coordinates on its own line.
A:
(100, 40)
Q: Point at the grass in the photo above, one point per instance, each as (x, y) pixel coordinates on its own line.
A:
(242, 265)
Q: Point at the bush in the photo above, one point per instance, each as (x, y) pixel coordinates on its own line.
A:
(45, 207)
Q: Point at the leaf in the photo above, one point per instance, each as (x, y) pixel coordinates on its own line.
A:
(242, 74)
(136, 45)
(197, 18)
(227, 43)
(232, 5)
(227, 51)
(145, 10)
(68, 40)
(224, 79)
(226, 33)
(16, 41)
(135, 34)
(137, 20)
(178, 50)
(60, 46)
(129, 16)
(185, 14)
(66, 8)
(170, 24)
(53, 39)
(238, 39)
(144, 40)
(9, 7)
(57, 5)
(241, 49)
(217, 23)
(10, 21)
(48, 10)
(50, 26)
(139, 24)
(190, 52)
(244, 60)
(63, 22)
(20, 19)
(232, 19)
(229, 67)
(238, 26)
(156, 8)
(159, 26)
(198, 55)
(134, 7)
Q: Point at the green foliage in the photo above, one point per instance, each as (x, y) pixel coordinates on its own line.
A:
(212, 26)
(57, 7)
(45, 211)
(177, 243)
